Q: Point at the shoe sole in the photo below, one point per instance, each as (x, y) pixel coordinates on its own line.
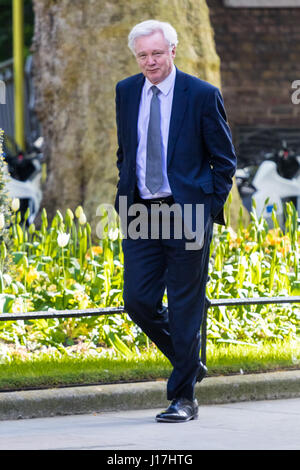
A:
(170, 420)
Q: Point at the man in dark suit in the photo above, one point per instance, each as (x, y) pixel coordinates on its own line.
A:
(174, 150)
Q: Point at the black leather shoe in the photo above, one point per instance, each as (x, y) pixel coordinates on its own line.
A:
(180, 410)
(202, 372)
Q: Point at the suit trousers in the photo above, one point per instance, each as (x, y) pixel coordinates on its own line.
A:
(153, 267)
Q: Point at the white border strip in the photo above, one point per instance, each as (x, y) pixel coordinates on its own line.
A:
(262, 3)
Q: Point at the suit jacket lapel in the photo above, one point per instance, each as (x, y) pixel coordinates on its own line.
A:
(178, 110)
(134, 104)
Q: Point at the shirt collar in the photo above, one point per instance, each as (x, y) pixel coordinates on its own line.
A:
(164, 86)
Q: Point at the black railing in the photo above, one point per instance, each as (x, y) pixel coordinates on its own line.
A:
(234, 302)
(113, 310)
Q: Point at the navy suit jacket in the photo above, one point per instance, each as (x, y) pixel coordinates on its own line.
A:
(201, 160)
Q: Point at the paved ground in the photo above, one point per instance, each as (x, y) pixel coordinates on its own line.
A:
(267, 424)
(145, 395)
(255, 411)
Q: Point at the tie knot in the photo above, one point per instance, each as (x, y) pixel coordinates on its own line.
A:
(155, 90)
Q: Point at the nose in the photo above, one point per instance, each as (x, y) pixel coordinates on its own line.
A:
(150, 59)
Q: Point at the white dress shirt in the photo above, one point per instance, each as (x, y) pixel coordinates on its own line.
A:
(166, 88)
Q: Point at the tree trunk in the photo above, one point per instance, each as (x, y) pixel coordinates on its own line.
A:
(80, 52)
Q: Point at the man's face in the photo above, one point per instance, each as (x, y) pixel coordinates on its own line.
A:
(154, 56)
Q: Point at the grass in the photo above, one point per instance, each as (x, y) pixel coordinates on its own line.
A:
(222, 359)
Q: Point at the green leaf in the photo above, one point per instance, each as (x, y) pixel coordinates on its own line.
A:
(18, 256)
(7, 302)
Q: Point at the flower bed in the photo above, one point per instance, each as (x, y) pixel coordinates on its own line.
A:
(60, 267)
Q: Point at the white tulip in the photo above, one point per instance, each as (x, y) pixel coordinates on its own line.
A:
(78, 211)
(82, 218)
(2, 221)
(63, 239)
(113, 234)
(15, 205)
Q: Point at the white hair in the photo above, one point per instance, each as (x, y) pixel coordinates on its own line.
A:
(149, 27)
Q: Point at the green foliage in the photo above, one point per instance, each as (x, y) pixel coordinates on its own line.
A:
(255, 262)
(58, 267)
(5, 212)
(6, 33)
(21, 369)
